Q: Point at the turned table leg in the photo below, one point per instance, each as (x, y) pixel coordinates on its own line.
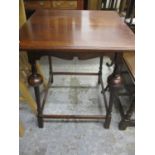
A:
(114, 83)
(114, 60)
(35, 80)
(108, 114)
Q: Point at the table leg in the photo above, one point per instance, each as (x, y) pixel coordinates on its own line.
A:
(126, 120)
(115, 82)
(113, 61)
(108, 114)
(100, 70)
(35, 80)
(39, 115)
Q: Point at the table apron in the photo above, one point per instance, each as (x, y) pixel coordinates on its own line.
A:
(70, 55)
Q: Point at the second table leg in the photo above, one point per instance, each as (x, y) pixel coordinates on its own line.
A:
(114, 83)
(35, 80)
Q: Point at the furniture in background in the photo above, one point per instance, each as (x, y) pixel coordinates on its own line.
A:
(54, 4)
(130, 15)
(104, 34)
(94, 4)
(106, 4)
(125, 8)
(32, 5)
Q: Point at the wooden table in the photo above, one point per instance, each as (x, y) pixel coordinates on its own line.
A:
(69, 33)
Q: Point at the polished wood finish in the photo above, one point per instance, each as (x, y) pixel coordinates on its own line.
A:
(69, 33)
(23, 60)
(35, 80)
(25, 68)
(76, 30)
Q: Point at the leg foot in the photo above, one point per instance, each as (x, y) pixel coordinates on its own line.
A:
(126, 120)
(122, 125)
(40, 122)
(99, 80)
(107, 122)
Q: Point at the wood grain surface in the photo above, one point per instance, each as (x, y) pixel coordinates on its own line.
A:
(76, 30)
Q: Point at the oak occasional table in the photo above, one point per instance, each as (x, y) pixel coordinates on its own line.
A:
(74, 33)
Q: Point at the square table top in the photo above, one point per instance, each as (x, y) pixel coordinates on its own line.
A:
(79, 30)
